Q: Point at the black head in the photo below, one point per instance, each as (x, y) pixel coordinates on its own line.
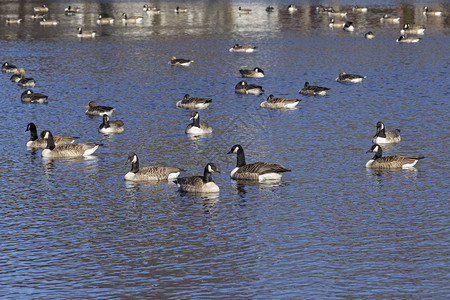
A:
(132, 157)
(46, 134)
(380, 125)
(194, 115)
(31, 126)
(258, 70)
(186, 97)
(270, 97)
(374, 148)
(211, 168)
(235, 149)
(306, 84)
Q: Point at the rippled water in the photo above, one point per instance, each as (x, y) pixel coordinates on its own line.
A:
(330, 229)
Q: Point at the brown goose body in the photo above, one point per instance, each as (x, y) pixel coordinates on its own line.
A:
(153, 173)
(392, 161)
(199, 184)
(67, 150)
(273, 102)
(37, 142)
(384, 136)
(194, 102)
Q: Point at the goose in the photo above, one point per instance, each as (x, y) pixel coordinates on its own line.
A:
(151, 9)
(197, 127)
(428, 12)
(369, 35)
(131, 19)
(71, 11)
(388, 19)
(240, 48)
(31, 97)
(37, 142)
(104, 20)
(391, 161)
(108, 126)
(334, 13)
(242, 87)
(404, 39)
(384, 136)
(273, 102)
(255, 73)
(38, 16)
(15, 78)
(410, 29)
(46, 22)
(323, 9)
(41, 8)
(180, 10)
(13, 21)
(94, 109)
(356, 8)
(180, 61)
(259, 171)
(353, 78)
(348, 26)
(336, 24)
(292, 8)
(24, 81)
(8, 68)
(194, 102)
(270, 8)
(85, 34)
(244, 10)
(313, 90)
(200, 184)
(154, 173)
(66, 150)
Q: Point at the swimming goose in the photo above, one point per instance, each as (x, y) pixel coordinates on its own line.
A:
(38, 16)
(85, 34)
(255, 73)
(132, 19)
(180, 10)
(13, 21)
(46, 22)
(428, 12)
(194, 102)
(41, 8)
(239, 48)
(98, 110)
(324, 10)
(37, 142)
(273, 102)
(292, 8)
(348, 26)
(334, 13)
(353, 78)
(71, 11)
(391, 161)
(25, 82)
(386, 18)
(270, 8)
(104, 20)
(313, 90)
(259, 171)
(410, 29)
(200, 184)
(15, 78)
(8, 68)
(180, 62)
(242, 87)
(153, 173)
(197, 127)
(244, 10)
(108, 126)
(336, 24)
(356, 8)
(404, 39)
(66, 150)
(31, 97)
(151, 9)
(384, 136)
(369, 35)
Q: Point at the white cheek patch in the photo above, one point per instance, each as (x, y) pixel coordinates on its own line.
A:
(134, 159)
(210, 169)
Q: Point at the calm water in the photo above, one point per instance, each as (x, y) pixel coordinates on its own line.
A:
(330, 229)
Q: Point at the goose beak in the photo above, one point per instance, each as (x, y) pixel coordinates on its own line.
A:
(229, 152)
(368, 151)
(87, 106)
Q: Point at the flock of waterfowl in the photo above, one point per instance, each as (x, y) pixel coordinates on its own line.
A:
(65, 147)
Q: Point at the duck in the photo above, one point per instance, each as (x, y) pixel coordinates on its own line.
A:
(132, 19)
(151, 9)
(258, 171)
(270, 8)
(94, 109)
(388, 19)
(154, 173)
(392, 161)
(255, 73)
(71, 150)
(242, 87)
(180, 62)
(13, 21)
(384, 136)
(336, 24)
(8, 68)
(194, 102)
(108, 126)
(369, 35)
(348, 26)
(356, 8)
(244, 10)
(104, 20)
(313, 90)
(46, 22)
(200, 184)
(410, 29)
(24, 81)
(37, 142)
(71, 11)
(241, 48)
(292, 8)
(428, 12)
(273, 102)
(405, 39)
(31, 97)
(85, 33)
(197, 127)
(180, 10)
(41, 8)
(353, 78)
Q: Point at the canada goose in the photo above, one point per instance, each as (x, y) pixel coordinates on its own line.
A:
(180, 62)
(242, 87)
(255, 73)
(108, 126)
(334, 13)
(85, 34)
(323, 9)
(404, 39)
(270, 8)
(292, 8)
(97, 110)
(71, 11)
(132, 19)
(46, 22)
(37, 142)
(387, 19)
(180, 10)
(353, 78)
(41, 8)
(31, 97)
(200, 184)
(336, 24)
(239, 48)
(273, 102)
(313, 90)
(259, 171)
(428, 12)
(197, 127)
(104, 20)
(8, 68)
(25, 82)
(13, 21)
(15, 78)
(356, 8)
(38, 16)
(348, 26)
(66, 150)
(154, 173)
(391, 161)
(244, 10)
(410, 29)
(384, 136)
(369, 35)
(194, 102)
(151, 9)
